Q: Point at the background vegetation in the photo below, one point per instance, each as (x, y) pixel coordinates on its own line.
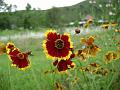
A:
(58, 17)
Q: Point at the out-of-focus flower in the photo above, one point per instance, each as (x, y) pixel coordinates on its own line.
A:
(2, 48)
(89, 21)
(85, 69)
(57, 45)
(88, 41)
(18, 58)
(114, 24)
(94, 65)
(63, 65)
(102, 71)
(91, 49)
(117, 30)
(82, 55)
(95, 68)
(100, 5)
(105, 26)
(110, 56)
(59, 86)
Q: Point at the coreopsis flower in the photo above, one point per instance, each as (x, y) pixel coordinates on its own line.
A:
(85, 69)
(114, 24)
(88, 41)
(89, 21)
(105, 26)
(2, 48)
(110, 56)
(101, 71)
(94, 65)
(117, 30)
(94, 68)
(90, 48)
(57, 45)
(93, 50)
(18, 58)
(10, 47)
(82, 55)
(63, 65)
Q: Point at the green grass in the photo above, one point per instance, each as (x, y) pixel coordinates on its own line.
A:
(34, 78)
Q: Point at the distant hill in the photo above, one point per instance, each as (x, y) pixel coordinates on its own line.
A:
(102, 9)
(98, 10)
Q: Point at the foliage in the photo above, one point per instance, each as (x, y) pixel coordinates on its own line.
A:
(58, 17)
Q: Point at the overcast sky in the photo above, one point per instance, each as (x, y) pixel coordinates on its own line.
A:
(42, 4)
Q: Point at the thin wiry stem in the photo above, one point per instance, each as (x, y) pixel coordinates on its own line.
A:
(10, 77)
(111, 80)
(85, 76)
(35, 79)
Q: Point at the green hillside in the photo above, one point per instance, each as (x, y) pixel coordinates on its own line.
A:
(32, 18)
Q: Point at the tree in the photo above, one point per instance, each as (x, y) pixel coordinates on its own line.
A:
(53, 17)
(28, 7)
(2, 5)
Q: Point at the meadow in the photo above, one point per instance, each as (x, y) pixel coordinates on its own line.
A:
(41, 74)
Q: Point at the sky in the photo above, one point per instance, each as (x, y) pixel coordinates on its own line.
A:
(42, 4)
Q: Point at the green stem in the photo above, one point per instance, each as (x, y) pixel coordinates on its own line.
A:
(85, 77)
(113, 76)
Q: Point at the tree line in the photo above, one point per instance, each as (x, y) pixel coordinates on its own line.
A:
(31, 18)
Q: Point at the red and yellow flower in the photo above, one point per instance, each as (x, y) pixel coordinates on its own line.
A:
(110, 56)
(64, 65)
(83, 55)
(18, 58)
(90, 48)
(88, 41)
(57, 45)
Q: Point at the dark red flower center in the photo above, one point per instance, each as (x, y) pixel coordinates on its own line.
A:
(59, 43)
(20, 56)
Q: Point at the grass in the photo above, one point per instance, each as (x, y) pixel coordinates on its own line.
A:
(35, 78)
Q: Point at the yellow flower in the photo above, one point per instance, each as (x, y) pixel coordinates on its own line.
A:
(2, 48)
(88, 41)
(82, 54)
(117, 30)
(105, 26)
(114, 24)
(94, 49)
(89, 21)
(110, 56)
